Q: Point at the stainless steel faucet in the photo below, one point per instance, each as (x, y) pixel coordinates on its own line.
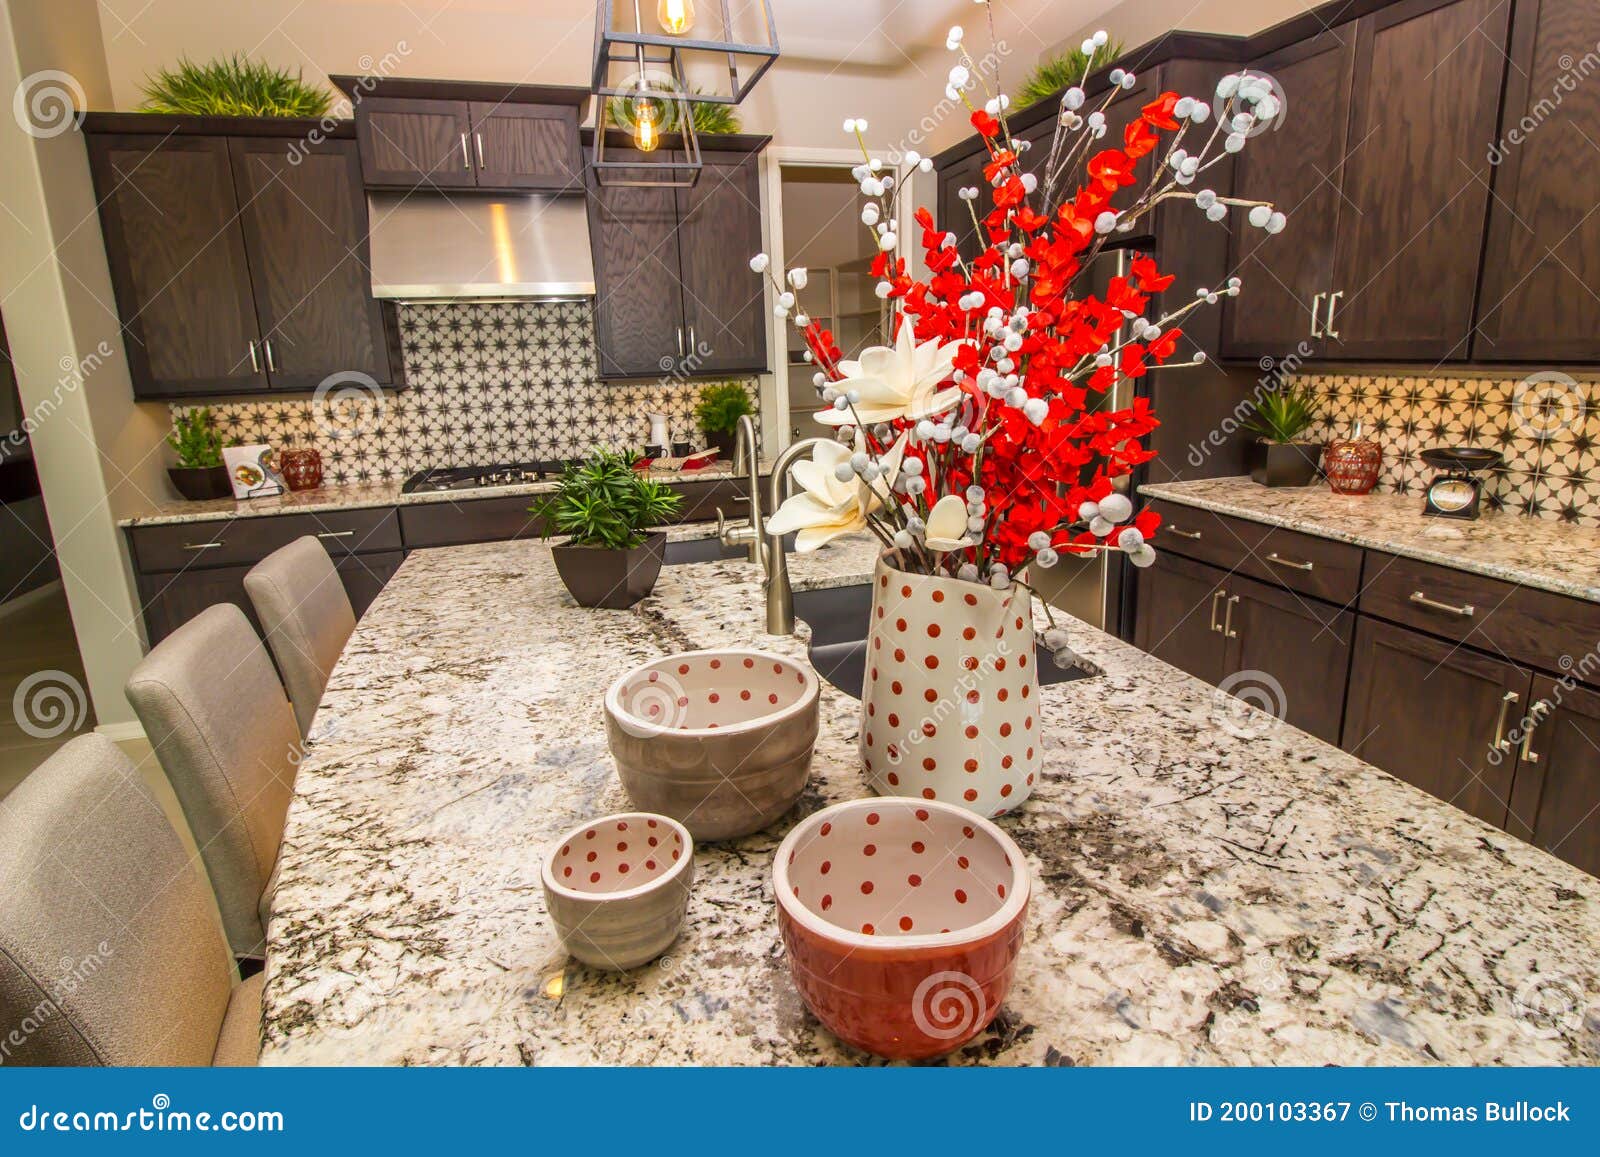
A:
(766, 549)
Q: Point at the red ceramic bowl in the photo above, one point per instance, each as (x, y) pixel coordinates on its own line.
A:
(902, 920)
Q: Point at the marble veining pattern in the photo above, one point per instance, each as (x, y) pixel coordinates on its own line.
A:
(1530, 552)
(1211, 886)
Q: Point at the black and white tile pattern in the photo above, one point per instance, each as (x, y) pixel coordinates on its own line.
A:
(487, 383)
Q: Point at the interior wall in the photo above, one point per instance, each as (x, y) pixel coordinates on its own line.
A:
(96, 451)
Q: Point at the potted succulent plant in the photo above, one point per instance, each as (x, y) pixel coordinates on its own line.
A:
(199, 473)
(718, 411)
(1281, 456)
(607, 508)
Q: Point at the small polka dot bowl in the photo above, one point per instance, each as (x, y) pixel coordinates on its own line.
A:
(902, 921)
(617, 888)
(721, 741)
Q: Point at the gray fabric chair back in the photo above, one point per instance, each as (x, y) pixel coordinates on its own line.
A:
(307, 617)
(214, 711)
(110, 952)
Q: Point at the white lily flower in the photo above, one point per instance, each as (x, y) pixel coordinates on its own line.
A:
(947, 525)
(832, 501)
(899, 381)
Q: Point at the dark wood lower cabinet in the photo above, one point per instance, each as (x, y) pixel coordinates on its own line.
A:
(1180, 615)
(1555, 801)
(1293, 651)
(1436, 715)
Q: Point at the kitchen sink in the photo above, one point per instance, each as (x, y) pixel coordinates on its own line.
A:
(838, 618)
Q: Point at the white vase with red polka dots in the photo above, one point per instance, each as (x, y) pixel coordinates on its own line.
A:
(949, 708)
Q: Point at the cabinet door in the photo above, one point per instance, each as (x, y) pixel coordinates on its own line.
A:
(1288, 654)
(638, 305)
(409, 143)
(305, 227)
(178, 266)
(1429, 712)
(1416, 184)
(724, 303)
(171, 600)
(1295, 165)
(1180, 615)
(1542, 260)
(1555, 802)
(526, 146)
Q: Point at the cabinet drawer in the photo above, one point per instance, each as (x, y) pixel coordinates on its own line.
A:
(702, 500)
(246, 541)
(1301, 562)
(428, 524)
(1529, 626)
(1202, 535)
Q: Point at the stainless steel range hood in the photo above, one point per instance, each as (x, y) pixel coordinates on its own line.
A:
(432, 247)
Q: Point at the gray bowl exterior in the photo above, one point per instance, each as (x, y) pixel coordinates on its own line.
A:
(619, 934)
(720, 787)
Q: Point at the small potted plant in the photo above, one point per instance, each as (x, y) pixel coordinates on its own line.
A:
(612, 556)
(718, 411)
(199, 473)
(1281, 456)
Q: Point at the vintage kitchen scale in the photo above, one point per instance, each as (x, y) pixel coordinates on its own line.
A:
(1458, 491)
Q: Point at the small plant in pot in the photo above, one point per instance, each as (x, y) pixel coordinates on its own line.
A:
(1281, 455)
(718, 411)
(613, 556)
(199, 473)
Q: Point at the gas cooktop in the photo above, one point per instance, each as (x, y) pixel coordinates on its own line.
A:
(440, 478)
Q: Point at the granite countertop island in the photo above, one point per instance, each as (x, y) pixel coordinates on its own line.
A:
(1532, 552)
(1210, 886)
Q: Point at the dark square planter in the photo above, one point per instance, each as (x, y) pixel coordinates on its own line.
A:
(198, 483)
(612, 579)
(1284, 463)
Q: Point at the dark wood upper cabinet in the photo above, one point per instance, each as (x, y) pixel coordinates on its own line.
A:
(1297, 166)
(178, 267)
(407, 142)
(1555, 802)
(526, 146)
(305, 225)
(1542, 261)
(954, 215)
(724, 303)
(1430, 712)
(1416, 179)
(638, 305)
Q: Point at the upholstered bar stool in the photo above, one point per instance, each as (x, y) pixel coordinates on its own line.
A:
(307, 617)
(214, 711)
(110, 952)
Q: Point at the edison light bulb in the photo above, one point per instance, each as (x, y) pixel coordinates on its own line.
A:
(646, 125)
(675, 16)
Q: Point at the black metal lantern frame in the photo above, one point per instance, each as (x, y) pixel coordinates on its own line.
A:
(639, 48)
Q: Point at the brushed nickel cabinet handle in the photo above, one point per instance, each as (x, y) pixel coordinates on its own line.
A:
(337, 534)
(478, 137)
(466, 157)
(1333, 303)
(255, 362)
(1289, 562)
(272, 363)
(694, 346)
(1536, 715)
(1464, 611)
(680, 341)
(1216, 600)
(1227, 623)
(1501, 743)
(1316, 307)
(1189, 534)
(202, 546)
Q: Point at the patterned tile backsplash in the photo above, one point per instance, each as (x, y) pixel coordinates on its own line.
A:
(486, 383)
(1547, 427)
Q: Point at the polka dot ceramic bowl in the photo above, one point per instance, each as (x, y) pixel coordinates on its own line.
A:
(719, 740)
(902, 921)
(616, 888)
